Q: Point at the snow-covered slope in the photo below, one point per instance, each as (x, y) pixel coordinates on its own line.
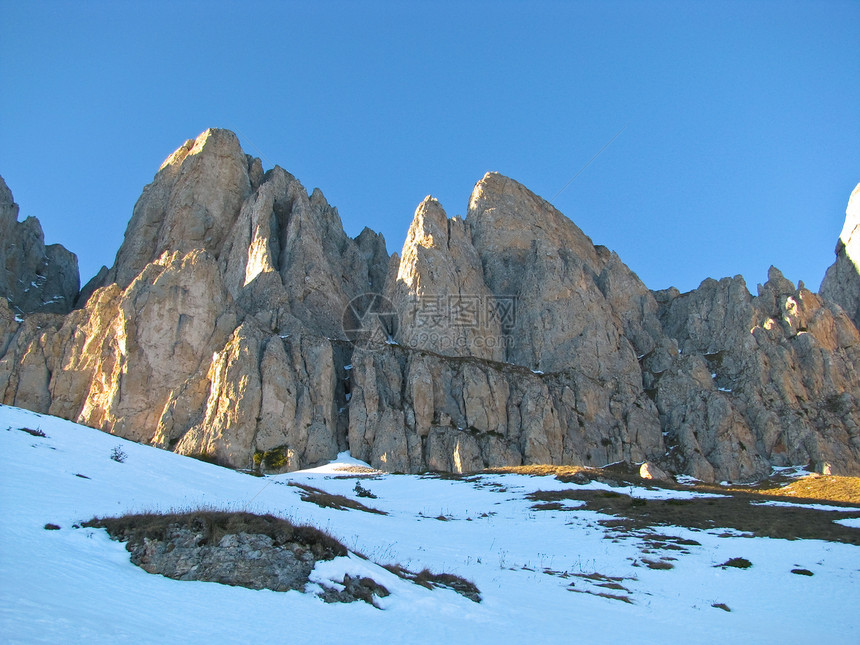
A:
(75, 585)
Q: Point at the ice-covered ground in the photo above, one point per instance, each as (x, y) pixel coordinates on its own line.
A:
(76, 585)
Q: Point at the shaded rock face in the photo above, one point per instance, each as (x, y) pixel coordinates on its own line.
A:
(219, 332)
(755, 382)
(33, 277)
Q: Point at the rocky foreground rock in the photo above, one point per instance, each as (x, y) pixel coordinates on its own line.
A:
(227, 329)
(236, 549)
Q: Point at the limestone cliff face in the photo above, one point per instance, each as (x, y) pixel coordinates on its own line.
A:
(507, 338)
(593, 367)
(33, 277)
(209, 334)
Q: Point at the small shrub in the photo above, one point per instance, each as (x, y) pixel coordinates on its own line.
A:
(274, 459)
(361, 491)
(118, 454)
(737, 563)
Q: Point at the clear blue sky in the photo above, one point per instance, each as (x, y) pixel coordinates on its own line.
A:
(742, 140)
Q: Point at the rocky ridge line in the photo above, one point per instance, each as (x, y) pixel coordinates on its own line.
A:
(218, 333)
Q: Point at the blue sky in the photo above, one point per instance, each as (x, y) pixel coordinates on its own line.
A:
(740, 148)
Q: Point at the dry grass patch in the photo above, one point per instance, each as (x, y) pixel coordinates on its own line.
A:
(726, 511)
(542, 470)
(658, 564)
(826, 488)
(603, 594)
(329, 500)
(430, 580)
(214, 525)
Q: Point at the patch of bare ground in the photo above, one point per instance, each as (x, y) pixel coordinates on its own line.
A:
(37, 432)
(812, 488)
(543, 470)
(819, 488)
(329, 500)
(430, 580)
(728, 511)
(358, 470)
(603, 594)
(595, 583)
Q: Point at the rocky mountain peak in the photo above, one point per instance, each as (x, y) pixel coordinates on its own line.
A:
(850, 235)
(34, 277)
(231, 327)
(192, 203)
(511, 225)
(841, 283)
(429, 226)
(213, 141)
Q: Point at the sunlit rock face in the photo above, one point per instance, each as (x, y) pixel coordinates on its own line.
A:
(841, 283)
(226, 329)
(33, 277)
(211, 333)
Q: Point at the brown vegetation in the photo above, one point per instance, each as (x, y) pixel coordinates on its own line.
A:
(818, 488)
(430, 580)
(728, 511)
(216, 524)
(330, 500)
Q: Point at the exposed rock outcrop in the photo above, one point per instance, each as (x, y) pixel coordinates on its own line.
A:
(33, 277)
(236, 549)
(502, 338)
